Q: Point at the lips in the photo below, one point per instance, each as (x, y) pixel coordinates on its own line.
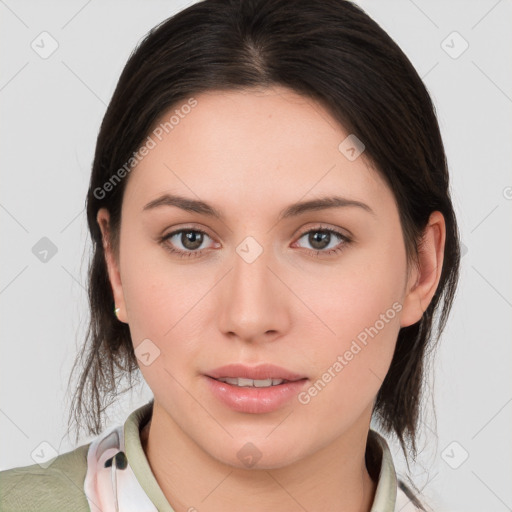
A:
(254, 389)
(260, 372)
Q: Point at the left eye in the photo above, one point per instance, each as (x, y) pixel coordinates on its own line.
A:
(320, 239)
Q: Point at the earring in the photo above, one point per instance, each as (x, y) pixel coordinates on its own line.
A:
(116, 311)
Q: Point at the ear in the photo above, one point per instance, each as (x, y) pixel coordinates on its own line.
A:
(424, 279)
(103, 219)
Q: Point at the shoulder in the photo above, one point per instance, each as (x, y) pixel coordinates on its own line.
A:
(56, 485)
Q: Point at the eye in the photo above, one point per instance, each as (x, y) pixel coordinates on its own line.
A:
(323, 241)
(190, 239)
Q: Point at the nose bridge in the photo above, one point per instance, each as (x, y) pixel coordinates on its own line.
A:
(252, 304)
(251, 277)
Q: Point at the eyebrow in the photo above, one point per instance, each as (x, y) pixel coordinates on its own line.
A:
(293, 210)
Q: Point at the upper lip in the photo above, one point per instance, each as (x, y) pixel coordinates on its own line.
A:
(260, 372)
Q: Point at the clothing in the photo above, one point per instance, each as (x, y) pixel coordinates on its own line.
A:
(114, 465)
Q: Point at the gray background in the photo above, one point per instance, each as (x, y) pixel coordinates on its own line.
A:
(51, 112)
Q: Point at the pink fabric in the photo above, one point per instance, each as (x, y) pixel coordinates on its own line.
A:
(103, 483)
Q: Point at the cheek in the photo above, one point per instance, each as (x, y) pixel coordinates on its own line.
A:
(162, 299)
(360, 302)
(352, 365)
(157, 292)
(161, 307)
(356, 293)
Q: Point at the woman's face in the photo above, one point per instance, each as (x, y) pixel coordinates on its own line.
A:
(319, 292)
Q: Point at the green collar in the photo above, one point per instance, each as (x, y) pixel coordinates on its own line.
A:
(377, 447)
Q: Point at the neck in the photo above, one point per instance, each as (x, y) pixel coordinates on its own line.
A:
(335, 478)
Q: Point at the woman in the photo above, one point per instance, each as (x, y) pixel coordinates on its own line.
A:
(273, 232)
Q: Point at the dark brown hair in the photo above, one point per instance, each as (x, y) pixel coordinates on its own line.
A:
(330, 51)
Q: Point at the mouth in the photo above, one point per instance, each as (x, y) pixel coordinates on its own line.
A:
(252, 383)
(255, 390)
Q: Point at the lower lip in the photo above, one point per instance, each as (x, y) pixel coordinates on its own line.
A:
(255, 400)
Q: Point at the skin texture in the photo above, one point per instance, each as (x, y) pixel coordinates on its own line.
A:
(250, 154)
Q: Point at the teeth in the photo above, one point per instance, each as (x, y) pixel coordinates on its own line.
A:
(250, 383)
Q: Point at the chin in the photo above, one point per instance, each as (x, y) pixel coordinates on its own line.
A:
(258, 453)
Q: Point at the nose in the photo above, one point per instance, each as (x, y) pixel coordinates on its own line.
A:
(254, 301)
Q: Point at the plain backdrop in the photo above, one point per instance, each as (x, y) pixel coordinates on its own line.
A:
(51, 110)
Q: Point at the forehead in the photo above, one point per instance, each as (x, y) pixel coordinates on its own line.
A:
(273, 144)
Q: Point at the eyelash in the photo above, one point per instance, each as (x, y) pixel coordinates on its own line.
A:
(187, 254)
